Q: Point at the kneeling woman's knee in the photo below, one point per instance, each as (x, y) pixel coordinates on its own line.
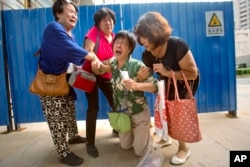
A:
(125, 146)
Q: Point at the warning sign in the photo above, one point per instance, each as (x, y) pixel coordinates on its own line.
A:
(215, 23)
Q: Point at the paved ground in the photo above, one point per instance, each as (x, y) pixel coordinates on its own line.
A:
(32, 147)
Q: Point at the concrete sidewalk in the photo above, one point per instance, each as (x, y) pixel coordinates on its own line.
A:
(33, 147)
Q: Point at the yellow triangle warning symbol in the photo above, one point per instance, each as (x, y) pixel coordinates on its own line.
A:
(214, 21)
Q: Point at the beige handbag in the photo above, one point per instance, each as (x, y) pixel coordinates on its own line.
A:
(49, 84)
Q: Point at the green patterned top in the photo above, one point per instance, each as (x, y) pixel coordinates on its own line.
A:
(136, 100)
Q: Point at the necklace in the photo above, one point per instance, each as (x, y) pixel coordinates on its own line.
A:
(158, 53)
(164, 45)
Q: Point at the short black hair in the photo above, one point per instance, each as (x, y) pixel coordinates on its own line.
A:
(57, 7)
(128, 35)
(102, 13)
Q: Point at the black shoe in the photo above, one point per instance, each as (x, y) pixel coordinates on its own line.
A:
(77, 139)
(92, 150)
(72, 160)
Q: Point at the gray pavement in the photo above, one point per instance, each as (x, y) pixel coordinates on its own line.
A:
(33, 147)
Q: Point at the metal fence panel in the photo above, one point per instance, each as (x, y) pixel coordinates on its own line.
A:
(4, 119)
(215, 56)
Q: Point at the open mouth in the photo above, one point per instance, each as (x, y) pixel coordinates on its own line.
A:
(72, 21)
(118, 52)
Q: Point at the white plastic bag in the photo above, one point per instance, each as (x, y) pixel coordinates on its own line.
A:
(160, 120)
(153, 158)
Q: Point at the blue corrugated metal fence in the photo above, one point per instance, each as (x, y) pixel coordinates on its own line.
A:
(215, 56)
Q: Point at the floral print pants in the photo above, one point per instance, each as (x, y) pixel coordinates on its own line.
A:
(59, 112)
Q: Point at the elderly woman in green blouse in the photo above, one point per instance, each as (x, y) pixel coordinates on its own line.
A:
(128, 93)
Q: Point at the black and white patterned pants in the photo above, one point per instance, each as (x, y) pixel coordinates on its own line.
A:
(59, 111)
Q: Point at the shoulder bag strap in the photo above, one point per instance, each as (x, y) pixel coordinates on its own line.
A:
(97, 42)
(175, 85)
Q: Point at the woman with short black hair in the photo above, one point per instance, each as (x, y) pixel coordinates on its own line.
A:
(98, 41)
(128, 94)
(58, 49)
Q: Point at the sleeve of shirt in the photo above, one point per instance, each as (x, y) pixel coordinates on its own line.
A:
(77, 54)
(112, 62)
(92, 34)
(65, 45)
(182, 48)
(151, 79)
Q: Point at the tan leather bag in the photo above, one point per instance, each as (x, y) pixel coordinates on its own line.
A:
(49, 84)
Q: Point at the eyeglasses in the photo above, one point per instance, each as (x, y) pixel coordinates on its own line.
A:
(121, 42)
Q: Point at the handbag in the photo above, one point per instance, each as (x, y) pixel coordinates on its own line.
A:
(49, 84)
(120, 121)
(82, 80)
(182, 117)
